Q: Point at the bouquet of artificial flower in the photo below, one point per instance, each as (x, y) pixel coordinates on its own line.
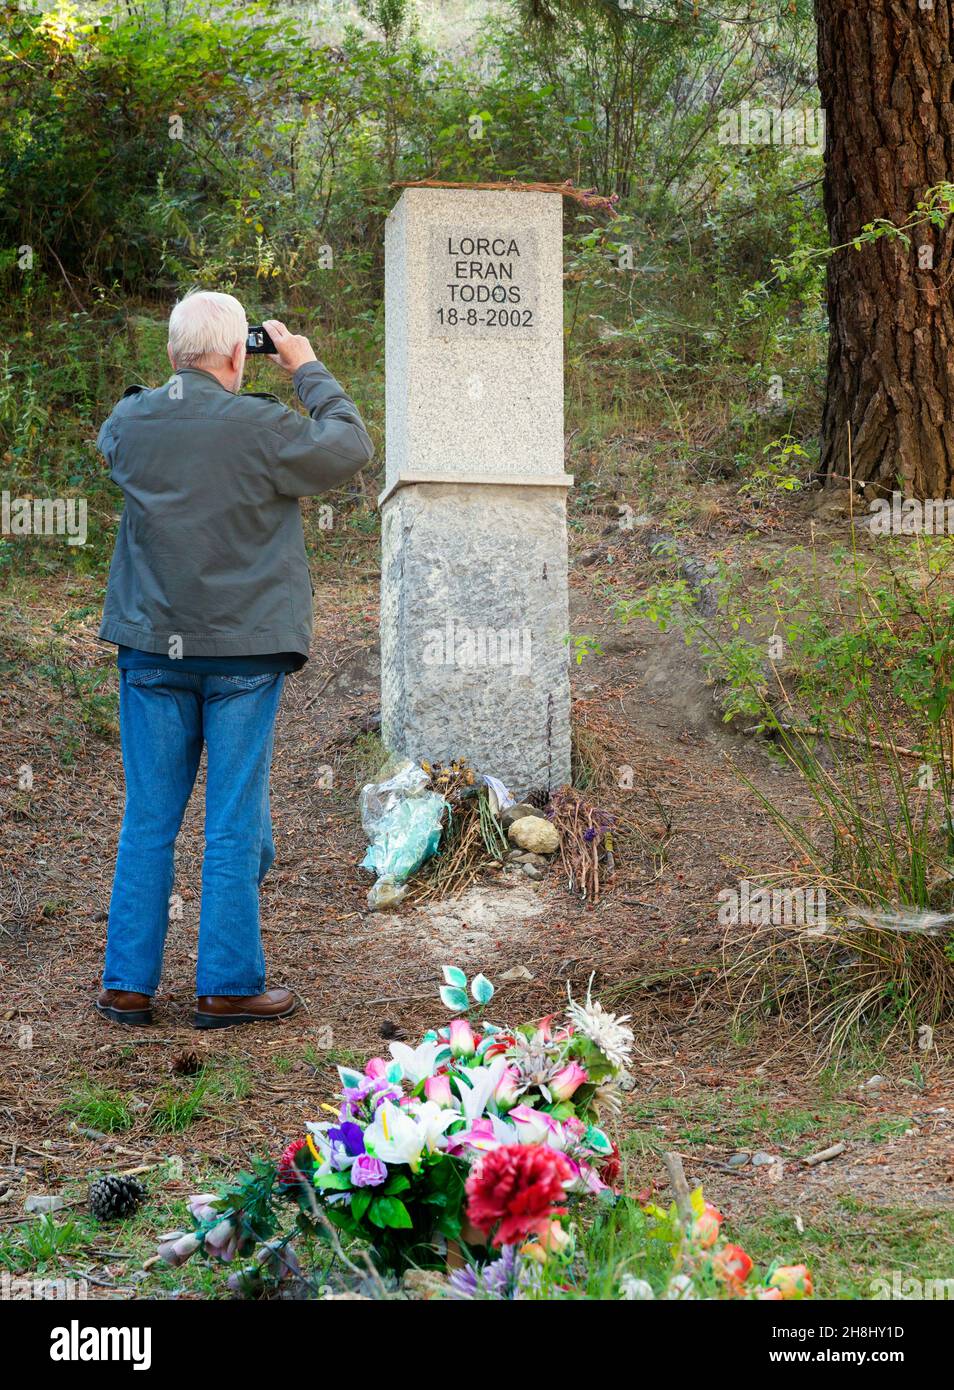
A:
(392, 1167)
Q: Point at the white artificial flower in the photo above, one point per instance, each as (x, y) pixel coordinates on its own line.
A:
(417, 1062)
(401, 1134)
(606, 1031)
(631, 1288)
(483, 1081)
(680, 1287)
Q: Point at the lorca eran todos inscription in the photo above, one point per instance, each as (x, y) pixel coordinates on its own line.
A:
(483, 283)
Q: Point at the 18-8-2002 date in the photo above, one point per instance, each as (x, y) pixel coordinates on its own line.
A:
(490, 317)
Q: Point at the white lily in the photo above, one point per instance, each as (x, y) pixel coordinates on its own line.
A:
(401, 1134)
(483, 1082)
(418, 1062)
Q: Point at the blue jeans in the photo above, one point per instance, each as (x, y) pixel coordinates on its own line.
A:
(164, 718)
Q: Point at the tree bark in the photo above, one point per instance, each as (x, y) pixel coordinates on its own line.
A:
(886, 72)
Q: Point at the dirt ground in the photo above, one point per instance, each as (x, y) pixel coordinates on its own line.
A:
(687, 828)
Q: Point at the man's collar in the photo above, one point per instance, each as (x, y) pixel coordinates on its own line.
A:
(200, 371)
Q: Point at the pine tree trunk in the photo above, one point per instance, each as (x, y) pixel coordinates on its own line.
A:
(886, 73)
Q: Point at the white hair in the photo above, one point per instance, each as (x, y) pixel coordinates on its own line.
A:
(203, 323)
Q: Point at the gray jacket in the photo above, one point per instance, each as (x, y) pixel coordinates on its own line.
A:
(210, 547)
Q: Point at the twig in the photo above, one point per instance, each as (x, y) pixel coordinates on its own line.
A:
(66, 278)
(810, 732)
(680, 1188)
(824, 1156)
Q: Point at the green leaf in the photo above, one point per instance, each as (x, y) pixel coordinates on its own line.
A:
(597, 1141)
(360, 1203)
(453, 975)
(391, 1212)
(334, 1182)
(454, 999)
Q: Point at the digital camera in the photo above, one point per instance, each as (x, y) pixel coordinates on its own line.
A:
(258, 340)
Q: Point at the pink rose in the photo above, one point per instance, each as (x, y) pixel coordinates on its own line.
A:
(506, 1093)
(567, 1080)
(438, 1089)
(462, 1041)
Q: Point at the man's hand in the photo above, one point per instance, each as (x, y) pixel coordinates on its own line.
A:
(293, 350)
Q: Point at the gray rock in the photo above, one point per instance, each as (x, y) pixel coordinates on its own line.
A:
(531, 871)
(874, 1083)
(512, 813)
(761, 1159)
(738, 1160)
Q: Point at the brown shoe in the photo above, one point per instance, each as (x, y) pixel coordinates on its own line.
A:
(122, 1006)
(231, 1010)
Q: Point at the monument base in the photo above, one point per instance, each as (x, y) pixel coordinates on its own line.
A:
(474, 617)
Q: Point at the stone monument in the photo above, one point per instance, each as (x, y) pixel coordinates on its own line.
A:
(474, 614)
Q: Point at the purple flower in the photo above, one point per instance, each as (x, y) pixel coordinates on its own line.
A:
(350, 1136)
(507, 1277)
(367, 1171)
(384, 1090)
(372, 1092)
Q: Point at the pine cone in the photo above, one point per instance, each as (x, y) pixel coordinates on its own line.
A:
(113, 1197)
(186, 1064)
(537, 798)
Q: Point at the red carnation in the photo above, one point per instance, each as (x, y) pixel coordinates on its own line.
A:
(609, 1169)
(289, 1169)
(517, 1188)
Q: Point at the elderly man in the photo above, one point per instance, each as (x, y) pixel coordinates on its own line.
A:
(209, 604)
